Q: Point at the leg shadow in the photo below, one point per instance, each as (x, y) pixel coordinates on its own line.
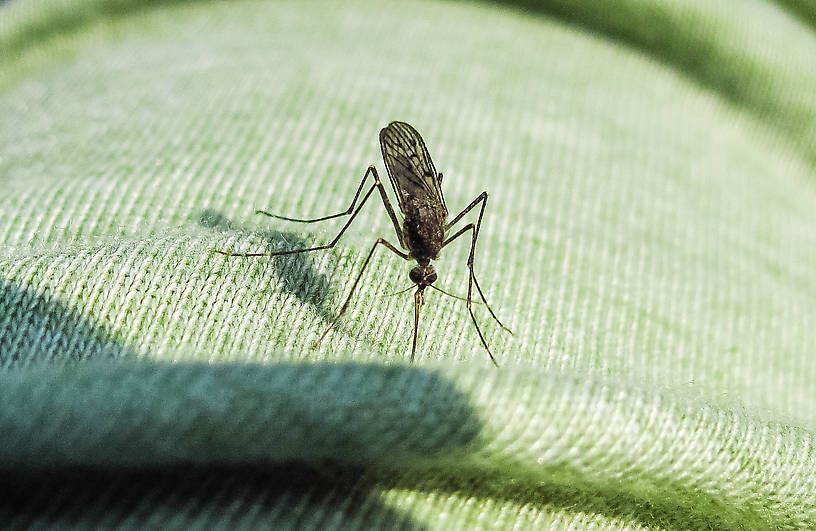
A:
(295, 271)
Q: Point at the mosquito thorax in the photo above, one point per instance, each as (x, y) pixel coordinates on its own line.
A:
(423, 275)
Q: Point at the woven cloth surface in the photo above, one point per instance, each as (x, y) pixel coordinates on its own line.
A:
(650, 240)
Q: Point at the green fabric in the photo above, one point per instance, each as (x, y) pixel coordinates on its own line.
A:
(649, 239)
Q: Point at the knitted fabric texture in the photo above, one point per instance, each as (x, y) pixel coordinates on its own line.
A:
(650, 240)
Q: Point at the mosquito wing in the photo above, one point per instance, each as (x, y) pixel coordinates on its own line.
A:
(409, 165)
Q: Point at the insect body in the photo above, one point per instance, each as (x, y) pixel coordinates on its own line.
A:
(424, 231)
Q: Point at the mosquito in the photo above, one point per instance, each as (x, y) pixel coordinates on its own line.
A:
(424, 230)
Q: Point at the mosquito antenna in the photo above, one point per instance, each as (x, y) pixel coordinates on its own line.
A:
(400, 291)
(448, 294)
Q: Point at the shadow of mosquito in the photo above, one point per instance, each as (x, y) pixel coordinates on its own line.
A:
(295, 271)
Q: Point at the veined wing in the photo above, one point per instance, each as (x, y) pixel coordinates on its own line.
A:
(409, 165)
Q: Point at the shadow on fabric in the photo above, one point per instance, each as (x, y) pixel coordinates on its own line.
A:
(295, 271)
(35, 327)
(288, 496)
(147, 444)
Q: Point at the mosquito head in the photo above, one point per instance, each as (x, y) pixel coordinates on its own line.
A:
(423, 275)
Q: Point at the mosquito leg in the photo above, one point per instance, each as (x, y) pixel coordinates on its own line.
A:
(346, 212)
(319, 247)
(475, 234)
(461, 231)
(471, 281)
(489, 309)
(389, 209)
(343, 308)
(482, 197)
(473, 318)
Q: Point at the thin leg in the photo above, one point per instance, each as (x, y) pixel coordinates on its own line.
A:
(377, 184)
(346, 212)
(389, 209)
(475, 234)
(357, 280)
(473, 318)
(461, 231)
(482, 197)
(471, 278)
